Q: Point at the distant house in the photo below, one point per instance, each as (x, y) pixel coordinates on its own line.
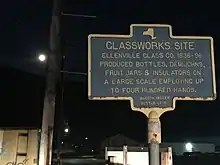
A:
(119, 140)
(211, 140)
(180, 148)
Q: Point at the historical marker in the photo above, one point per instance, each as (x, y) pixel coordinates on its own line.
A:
(151, 68)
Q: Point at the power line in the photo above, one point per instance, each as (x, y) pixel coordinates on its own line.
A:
(76, 73)
(79, 15)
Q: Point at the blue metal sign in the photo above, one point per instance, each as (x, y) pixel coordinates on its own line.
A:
(151, 67)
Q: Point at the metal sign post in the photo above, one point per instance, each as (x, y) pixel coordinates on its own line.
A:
(151, 68)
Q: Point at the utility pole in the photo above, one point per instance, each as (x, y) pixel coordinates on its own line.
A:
(52, 79)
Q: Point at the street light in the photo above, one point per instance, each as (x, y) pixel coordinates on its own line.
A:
(66, 130)
(189, 147)
(42, 57)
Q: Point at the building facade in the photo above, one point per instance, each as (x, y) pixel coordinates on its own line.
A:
(180, 148)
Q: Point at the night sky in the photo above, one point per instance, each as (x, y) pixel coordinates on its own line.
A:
(24, 33)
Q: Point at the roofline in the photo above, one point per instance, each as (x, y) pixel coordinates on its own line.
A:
(19, 128)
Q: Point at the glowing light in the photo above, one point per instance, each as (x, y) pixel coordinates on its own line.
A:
(189, 147)
(42, 57)
(66, 130)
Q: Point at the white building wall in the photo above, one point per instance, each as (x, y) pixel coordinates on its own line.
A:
(180, 148)
(133, 158)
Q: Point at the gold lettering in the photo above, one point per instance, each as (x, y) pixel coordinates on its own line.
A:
(175, 81)
(146, 73)
(186, 64)
(108, 45)
(120, 55)
(146, 81)
(106, 82)
(162, 72)
(161, 64)
(153, 103)
(122, 81)
(155, 98)
(156, 90)
(134, 73)
(184, 45)
(184, 55)
(116, 64)
(137, 45)
(184, 90)
(113, 72)
(153, 55)
(131, 90)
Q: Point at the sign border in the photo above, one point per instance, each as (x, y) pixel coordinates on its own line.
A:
(159, 110)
